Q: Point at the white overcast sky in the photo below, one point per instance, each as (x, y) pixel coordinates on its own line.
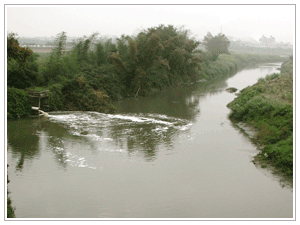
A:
(239, 21)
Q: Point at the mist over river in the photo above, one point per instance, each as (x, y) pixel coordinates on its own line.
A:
(172, 155)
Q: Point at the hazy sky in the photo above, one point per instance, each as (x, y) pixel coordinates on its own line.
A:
(239, 21)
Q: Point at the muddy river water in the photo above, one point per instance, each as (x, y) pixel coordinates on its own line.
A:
(173, 155)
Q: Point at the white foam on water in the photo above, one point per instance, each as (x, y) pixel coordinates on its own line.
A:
(115, 130)
(73, 160)
(95, 119)
(186, 127)
(96, 137)
(139, 119)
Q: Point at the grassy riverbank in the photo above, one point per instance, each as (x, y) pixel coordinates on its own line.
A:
(268, 106)
(94, 92)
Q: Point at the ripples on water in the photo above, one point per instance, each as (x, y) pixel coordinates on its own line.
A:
(160, 158)
(120, 133)
(82, 119)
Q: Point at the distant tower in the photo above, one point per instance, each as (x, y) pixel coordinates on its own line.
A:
(221, 29)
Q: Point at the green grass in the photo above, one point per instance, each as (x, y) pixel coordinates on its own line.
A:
(268, 106)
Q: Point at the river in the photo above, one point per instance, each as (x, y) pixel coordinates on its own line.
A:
(173, 155)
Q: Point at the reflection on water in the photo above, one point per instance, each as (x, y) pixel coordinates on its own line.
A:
(136, 134)
(268, 68)
(180, 102)
(23, 138)
(135, 130)
(130, 132)
(167, 156)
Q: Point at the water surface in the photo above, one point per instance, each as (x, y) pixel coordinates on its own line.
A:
(174, 155)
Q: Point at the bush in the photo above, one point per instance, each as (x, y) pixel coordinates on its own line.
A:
(272, 76)
(105, 79)
(78, 95)
(258, 107)
(281, 155)
(56, 99)
(17, 103)
(240, 106)
(16, 75)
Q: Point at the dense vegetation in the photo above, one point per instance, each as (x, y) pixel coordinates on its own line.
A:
(22, 68)
(133, 66)
(96, 72)
(268, 106)
(17, 103)
(216, 45)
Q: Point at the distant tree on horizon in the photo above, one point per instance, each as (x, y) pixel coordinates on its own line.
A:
(216, 45)
(267, 41)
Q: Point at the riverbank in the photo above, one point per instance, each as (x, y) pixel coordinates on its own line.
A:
(268, 106)
(81, 94)
(180, 136)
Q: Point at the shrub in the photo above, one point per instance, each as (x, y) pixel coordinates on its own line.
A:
(281, 155)
(272, 76)
(241, 106)
(261, 80)
(17, 103)
(258, 107)
(56, 99)
(78, 95)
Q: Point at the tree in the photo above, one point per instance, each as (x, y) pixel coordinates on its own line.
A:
(22, 68)
(59, 65)
(83, 47)
(122, 46)
(60, 42)
(15, 51)
(157, 57)
(216, 45)
(266, 41)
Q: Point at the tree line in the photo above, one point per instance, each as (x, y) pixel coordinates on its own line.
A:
(95, 71)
